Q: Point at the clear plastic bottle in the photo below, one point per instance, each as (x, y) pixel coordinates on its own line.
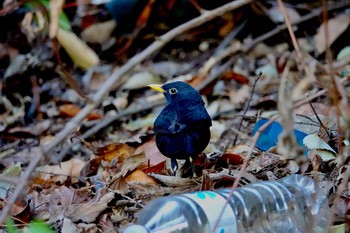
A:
(292, 204)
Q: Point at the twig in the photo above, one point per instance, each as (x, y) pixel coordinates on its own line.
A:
(212, 61)
(197, 6)
(234, 49)
(109, 84)
(290, 30)
(247, 47)
(247, 107)
(253, 144)
(35, 106)
(287, 144)
(340, 190)
(133, 110)
(320, 122)
(64, 72)
(137, 59)
(222, 51)
(229, 38)
(20, 186)
(106, 122)
(244, 166)
(212, 77)
(334, 91)
(227, 52)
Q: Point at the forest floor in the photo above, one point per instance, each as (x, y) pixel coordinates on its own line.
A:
(77, 147)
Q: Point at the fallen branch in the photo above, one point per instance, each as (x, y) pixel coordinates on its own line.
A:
(137, 59)
(234, 49)
(214, 60)
(109, 84)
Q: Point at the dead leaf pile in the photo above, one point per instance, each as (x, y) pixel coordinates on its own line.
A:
(258, 61)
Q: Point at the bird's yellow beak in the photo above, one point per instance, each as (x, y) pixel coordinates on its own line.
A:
(157, 87)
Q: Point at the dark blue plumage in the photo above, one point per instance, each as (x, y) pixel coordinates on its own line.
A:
(182, 128)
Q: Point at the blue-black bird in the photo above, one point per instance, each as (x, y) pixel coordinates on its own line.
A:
(182, 128)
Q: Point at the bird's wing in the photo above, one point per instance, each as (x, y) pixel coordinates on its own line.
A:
(195, 117)
(174, 119)
(166, 121)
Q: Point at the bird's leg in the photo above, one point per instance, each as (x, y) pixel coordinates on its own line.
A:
(189, 170)
(174, 166)
(190, 159)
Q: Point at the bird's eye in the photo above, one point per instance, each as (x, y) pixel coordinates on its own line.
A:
(172, 91)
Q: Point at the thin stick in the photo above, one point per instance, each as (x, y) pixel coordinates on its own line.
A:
(248, 46)
(290, 29)
(109, 84)
(247, 107)
(319, 121)
(253, 144)
(20, 186)
(244, 166)
(334, 93)
(206, 67)
(137, 59)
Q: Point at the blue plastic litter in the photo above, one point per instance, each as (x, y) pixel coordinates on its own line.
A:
(269, 136)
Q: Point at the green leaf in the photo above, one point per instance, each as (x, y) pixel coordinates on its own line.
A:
(10, 226)
(39, 227)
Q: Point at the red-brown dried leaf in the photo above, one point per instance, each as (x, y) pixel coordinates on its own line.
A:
(140, 176)
(115, 150)
(70, 110)
(240, 78)
(158, 168)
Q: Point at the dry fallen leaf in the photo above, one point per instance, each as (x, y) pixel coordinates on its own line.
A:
(68, 226)
(88, 212)
(18, 207)
(318, 146)
(70, 110)
(131, 163)
(152, 153)
(78, 51)
(277, 16)
(158, 168)
(336, 26)
(139, 176)
(115, 150)
(229, 24)
(339, 228)
(173, 181)
(233, 156)
(239, 78)
(60, 173)
(141, 80)
(12, 171)
(344, 53)
(216, 131)
(99, 32)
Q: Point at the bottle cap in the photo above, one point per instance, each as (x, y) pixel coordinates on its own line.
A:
(136, 229)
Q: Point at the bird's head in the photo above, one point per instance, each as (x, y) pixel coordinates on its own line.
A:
(177, 91)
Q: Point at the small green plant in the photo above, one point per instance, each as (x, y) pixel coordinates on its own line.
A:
(10, 227)
(36, 4)
(37, 226)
